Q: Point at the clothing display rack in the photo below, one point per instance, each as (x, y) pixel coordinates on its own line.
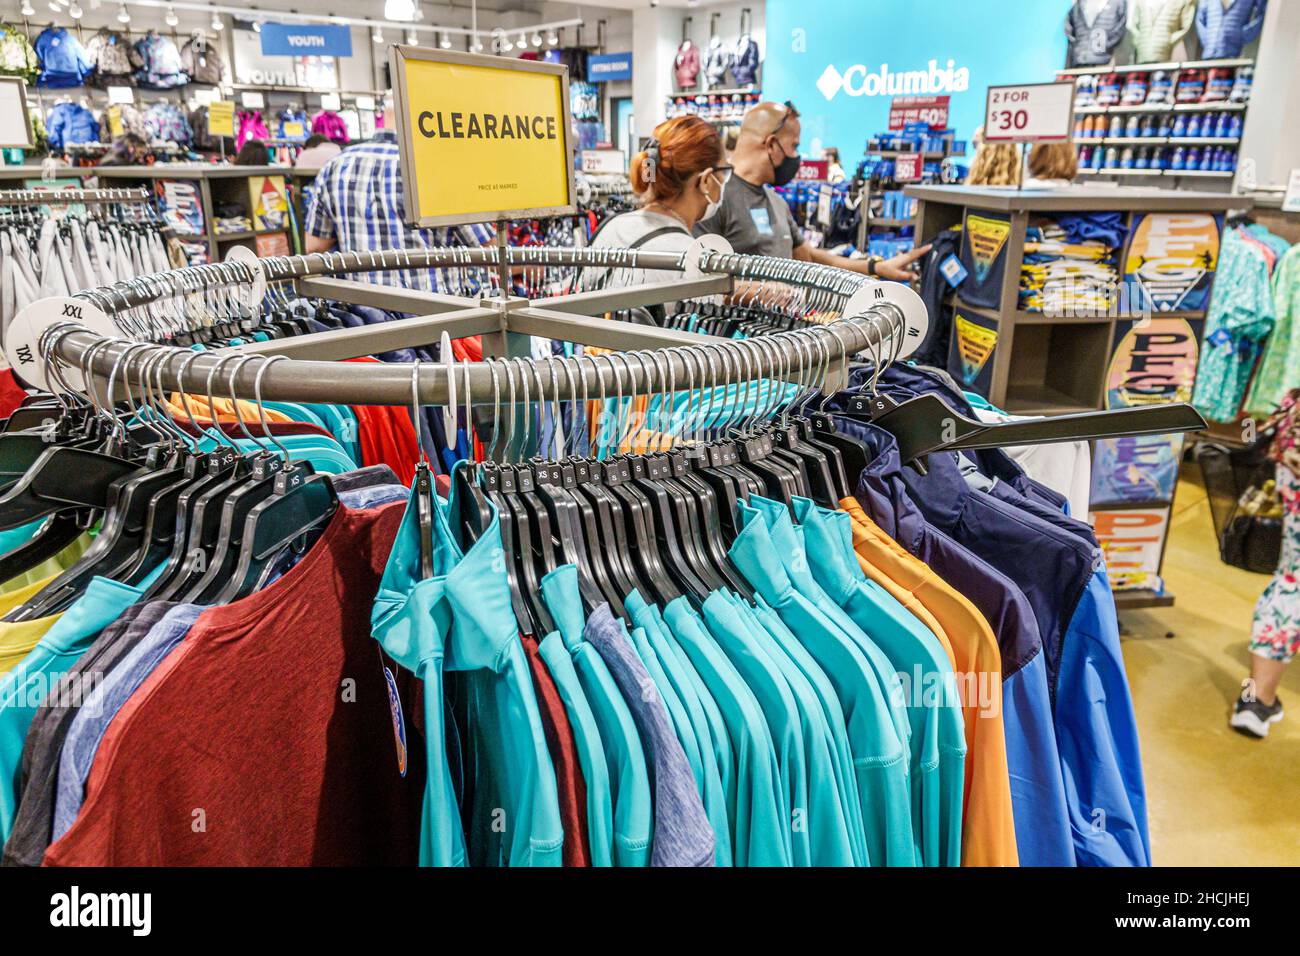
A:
(56, 197)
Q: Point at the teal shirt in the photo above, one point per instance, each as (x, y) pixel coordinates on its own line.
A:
(688, 719)
(938, 739)
(879, 758)
(515, 817)
(761, 821)
(629, 775)
(24, 688)
(829, 833)
(590, 748)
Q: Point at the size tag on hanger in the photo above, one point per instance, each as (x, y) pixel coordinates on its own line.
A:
(952, 270)
(22, 338)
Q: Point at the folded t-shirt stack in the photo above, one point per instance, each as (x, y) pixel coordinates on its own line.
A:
(1071, 264)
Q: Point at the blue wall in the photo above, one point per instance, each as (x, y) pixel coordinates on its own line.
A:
(993, 41)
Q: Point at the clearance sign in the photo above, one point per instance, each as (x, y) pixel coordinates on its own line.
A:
(482, 138)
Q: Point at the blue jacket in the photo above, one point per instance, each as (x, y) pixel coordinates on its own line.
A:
(70, 123)
(745, 67)
(1223, 32)
(63, 61)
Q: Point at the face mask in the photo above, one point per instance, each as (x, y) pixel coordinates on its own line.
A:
(787, 169)
(713, 205)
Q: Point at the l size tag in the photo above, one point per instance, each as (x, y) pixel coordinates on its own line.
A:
(953, 271)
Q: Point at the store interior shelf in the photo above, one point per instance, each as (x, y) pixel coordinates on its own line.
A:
(1199, 107)
(1121, 108)
(1043, 400)
(1142, 598)
(1148, 67)
(253, 234)
(1158, 140)
(910, 221)
(1202, 173)
(928, 154)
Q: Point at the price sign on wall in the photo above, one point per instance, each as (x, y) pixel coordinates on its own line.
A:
(813, 170)
(931, 110)
(1029, 112)
(907, 168)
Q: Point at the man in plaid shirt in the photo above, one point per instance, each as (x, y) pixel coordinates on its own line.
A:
(357, 206)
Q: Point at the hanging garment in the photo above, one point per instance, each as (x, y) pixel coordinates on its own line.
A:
(686, 65)
(1226, 26)
(1093, 30)
(166, 121)
(717, 60)
(69, 124)
(251, 127)
(1158, 26)
(17, 58)
(113, 58)
(63, 60)
(330, 125)
(1279, 370)
(1241, 315)
(744, 65)
(160, 63)
(201, 61)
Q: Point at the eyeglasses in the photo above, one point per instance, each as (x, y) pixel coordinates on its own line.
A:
(724, 172)
(789, 112)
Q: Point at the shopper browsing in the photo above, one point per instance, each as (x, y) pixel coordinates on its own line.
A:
(757, 222)
(1275, 635)
(358, 207)
(1051, 165)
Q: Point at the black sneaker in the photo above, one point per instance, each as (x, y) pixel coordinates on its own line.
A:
(1253, 717)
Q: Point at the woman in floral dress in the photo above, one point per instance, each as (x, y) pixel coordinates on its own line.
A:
(1275, 636)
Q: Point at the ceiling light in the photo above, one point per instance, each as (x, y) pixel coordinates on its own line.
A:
(27, 9)
(216, 22)
(401, 10)
(171, 18)
(122, 15)
(54, 7)
(74, 10)
(378, 35)
(537, 38)
(552, 39)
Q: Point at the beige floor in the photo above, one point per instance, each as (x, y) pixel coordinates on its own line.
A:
(1216, 798)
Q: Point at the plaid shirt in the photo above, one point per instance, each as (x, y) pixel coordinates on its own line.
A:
(357, 201)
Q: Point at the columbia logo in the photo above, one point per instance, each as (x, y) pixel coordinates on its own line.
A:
(857, 81)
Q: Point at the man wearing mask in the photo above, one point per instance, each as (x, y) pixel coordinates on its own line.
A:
(757, 222)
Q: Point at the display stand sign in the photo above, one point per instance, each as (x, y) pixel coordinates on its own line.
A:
(253, 100)
(221, 118)
(813, 170)
(907, 168)
(15, 121)
(1291, 201)
(931, 110)
(825, 198)
(331, 101)
(121, 95)
(482, 138)
(603, 161)
(1029, 113)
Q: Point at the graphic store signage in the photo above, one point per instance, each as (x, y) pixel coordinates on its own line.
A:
(302, 39)
(1132, 542)
(1171, 261)
(1154, 364)
(501, 125)
(973, 345)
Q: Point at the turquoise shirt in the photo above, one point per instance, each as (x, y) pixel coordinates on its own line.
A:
(629, 775)
(590, 748)
(879, 758)
(761, 821)
(24, 688)
(688, 718)
(933, 702)
(515, 817)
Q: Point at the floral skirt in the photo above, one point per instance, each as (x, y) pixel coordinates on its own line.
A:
(1276, 631)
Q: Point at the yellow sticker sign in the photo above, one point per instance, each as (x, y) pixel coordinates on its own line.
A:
(221, 118)
(482, 138)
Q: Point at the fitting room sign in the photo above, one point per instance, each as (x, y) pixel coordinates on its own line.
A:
(1029, 113)
(482, 138)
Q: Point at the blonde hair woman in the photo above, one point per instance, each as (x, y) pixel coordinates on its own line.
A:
(995, 164)
(1052, 164)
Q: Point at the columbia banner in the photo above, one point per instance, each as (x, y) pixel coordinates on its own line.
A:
(482, 138)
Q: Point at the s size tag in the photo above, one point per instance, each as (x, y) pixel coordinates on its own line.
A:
(399, 722)
(1220, 337)
(953, 270)
(762, 220)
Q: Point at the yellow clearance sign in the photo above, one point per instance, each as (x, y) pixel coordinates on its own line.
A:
(482, 138)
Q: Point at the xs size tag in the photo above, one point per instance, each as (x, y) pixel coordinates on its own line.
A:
(953, 271)
(399, 722)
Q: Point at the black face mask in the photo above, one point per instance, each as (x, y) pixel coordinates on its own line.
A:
(787, 169)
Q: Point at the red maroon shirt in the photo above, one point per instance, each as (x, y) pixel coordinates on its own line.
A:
(266, 737)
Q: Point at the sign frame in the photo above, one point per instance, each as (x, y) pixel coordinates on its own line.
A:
(900, 107)
(1069, 120)
(20, 85)
(397, 55)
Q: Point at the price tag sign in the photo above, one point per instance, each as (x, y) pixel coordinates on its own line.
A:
(221, 118)
(204, 97)
(1029, 113)
(331, 101)
(931, 110)
(907, 168)
(115, 120)
(253, 100)
(294, 130)
(824, 206)
(603, 161)
(811, 170)
(121, 94)
(1291, 201)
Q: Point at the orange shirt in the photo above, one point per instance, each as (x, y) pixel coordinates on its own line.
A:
(988, 830)
(225, 409)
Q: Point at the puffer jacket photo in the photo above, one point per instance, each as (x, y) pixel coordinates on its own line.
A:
(113, 59)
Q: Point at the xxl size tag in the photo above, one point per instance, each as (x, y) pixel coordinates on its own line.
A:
(22, 338)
